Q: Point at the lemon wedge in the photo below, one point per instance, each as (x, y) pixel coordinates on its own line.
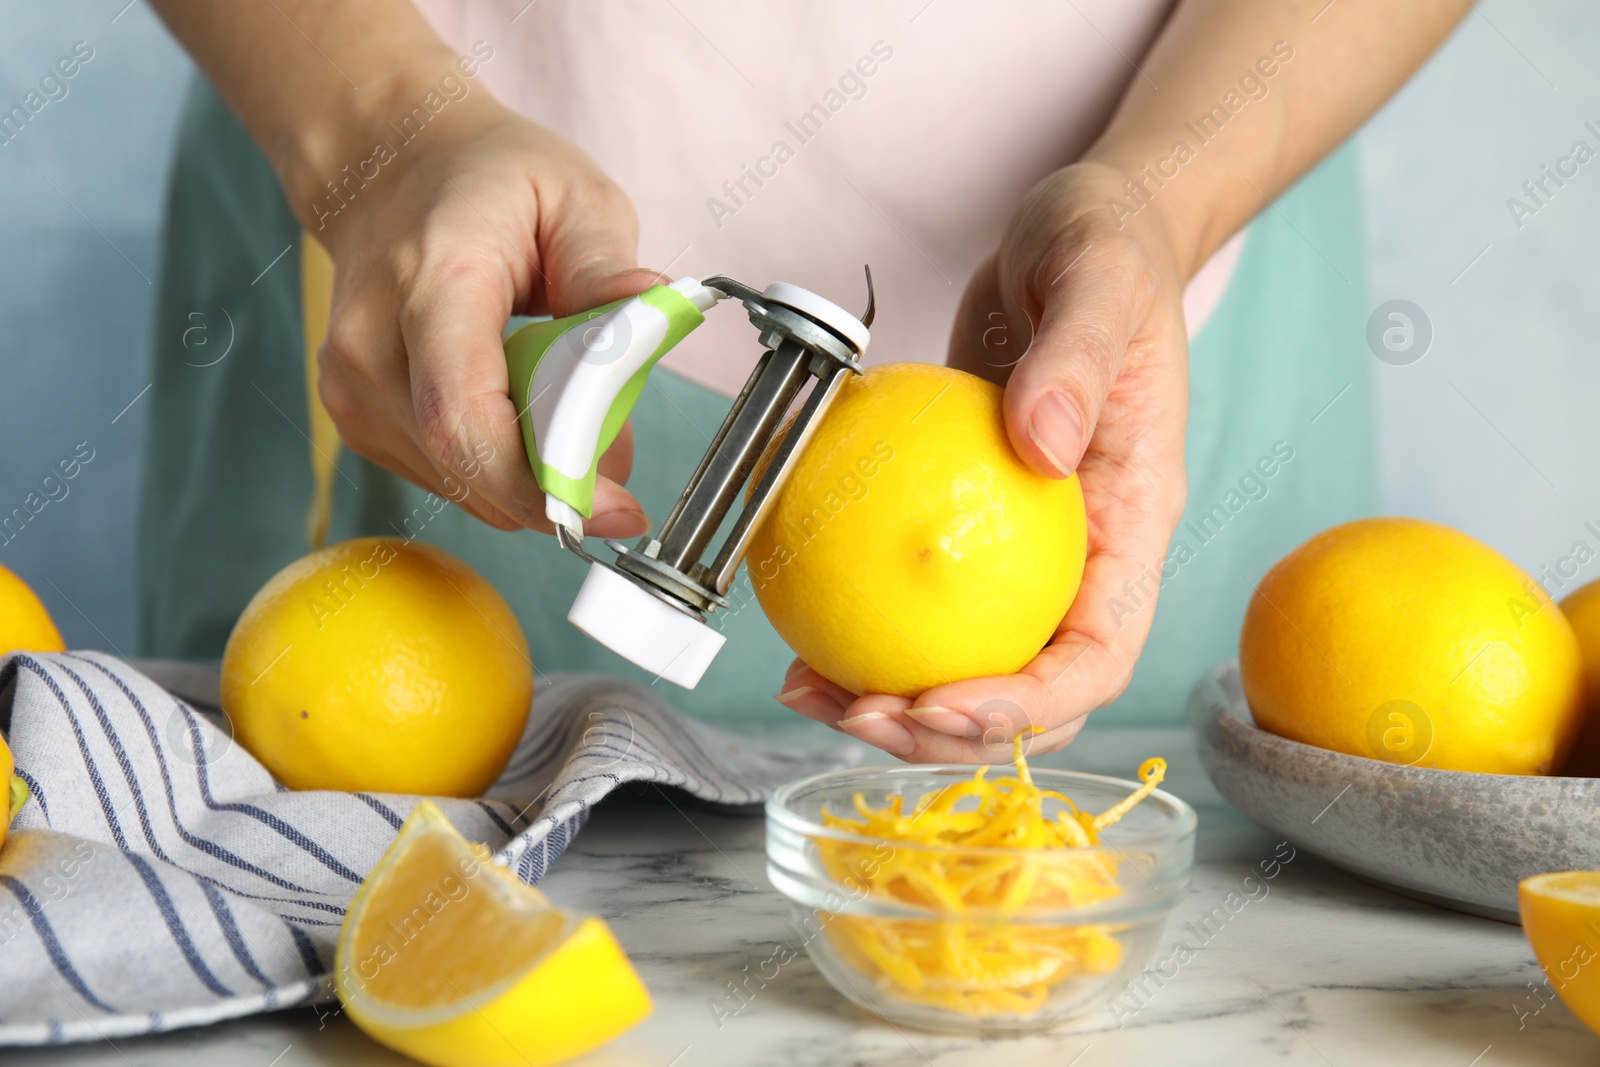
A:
(1561, 916)
(451, 960)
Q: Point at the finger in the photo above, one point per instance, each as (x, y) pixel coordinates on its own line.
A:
(617, 462)
(588, 245)
(938, 748)
(369, 407)
(989, 713)
(616, 513)
(795, 667)
(808, 693)
(1087, 665)
(890, 723)
(1088, 300)
(885, 722)
(879, 720)
(466, 423)
(876, 719)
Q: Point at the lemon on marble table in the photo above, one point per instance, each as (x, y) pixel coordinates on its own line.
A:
(453, 961)
(379, 664)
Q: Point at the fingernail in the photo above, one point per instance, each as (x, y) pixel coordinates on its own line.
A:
(814, 704)
(880, 731)
(624, 523)
(946, 721)
(1057, 428)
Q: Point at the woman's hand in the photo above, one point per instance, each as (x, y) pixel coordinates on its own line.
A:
(475, 215)
(1095, 301)
(1081, 318)
(484, 215)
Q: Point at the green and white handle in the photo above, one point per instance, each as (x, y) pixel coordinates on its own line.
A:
(575, 380)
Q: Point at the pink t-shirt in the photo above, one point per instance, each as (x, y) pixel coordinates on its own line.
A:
(796, 142)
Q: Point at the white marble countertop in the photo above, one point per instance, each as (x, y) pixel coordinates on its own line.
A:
(1316, 968)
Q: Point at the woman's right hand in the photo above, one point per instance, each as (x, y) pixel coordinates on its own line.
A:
(481, 216)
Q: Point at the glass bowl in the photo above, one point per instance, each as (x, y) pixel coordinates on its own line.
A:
(1003, 969)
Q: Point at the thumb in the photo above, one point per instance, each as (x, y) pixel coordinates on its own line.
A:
(1055, 393)
(589, 253)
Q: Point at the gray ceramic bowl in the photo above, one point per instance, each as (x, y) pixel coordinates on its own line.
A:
(1453, 838)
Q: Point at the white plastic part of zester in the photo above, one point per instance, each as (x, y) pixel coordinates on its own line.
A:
(562, 513)
(702, 298)
(821, 309)
(643, 630)
(580, 376)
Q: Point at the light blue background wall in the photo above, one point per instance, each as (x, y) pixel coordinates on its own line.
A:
(1497, 429)
(1494, 430)
(75, 295)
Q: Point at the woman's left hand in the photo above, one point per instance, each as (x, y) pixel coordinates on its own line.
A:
(1100, 388)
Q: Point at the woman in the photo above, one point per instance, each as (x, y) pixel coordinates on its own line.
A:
(1082, 171)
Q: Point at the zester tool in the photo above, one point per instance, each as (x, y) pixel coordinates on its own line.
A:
(574, 381)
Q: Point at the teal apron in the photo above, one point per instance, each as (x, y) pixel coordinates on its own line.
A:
(1280, 441)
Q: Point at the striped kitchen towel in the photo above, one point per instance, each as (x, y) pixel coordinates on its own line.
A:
(159, 877)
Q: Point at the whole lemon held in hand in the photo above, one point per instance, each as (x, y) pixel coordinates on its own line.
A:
(379, 664)
(911, 546)
(1407, 641)
(25, 625)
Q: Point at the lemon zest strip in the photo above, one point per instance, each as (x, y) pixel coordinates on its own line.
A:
(974, 959)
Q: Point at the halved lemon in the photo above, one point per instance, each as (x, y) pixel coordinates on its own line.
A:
(1561, 916)
(451, 960)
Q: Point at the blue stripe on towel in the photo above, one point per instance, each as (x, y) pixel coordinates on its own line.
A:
(271, 821)
(209, 847)
(34, 667)
(389, 815)
(230, 932)
(495, 818)
(180, 933)
(71, 714)
(52, 944)
(306, 947)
